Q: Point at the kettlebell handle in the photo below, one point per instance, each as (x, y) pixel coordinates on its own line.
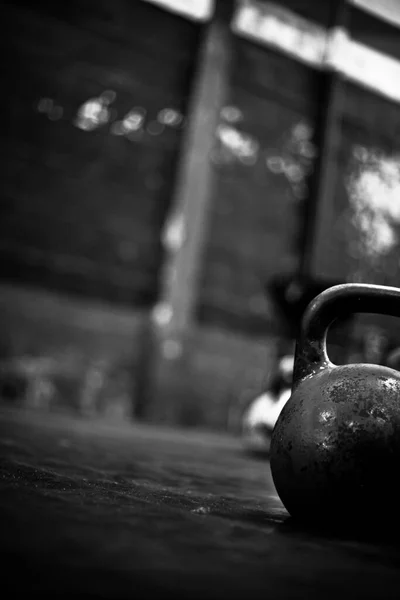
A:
(337, 301)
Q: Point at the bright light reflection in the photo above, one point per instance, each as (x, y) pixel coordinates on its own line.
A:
(240, 145)
(199, 10)
(131, 123)
(95, 112)
(374, 194)
(174, 233)
(170, 117)
(162, 314)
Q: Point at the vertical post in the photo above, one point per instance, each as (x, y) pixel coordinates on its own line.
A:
(190, 205)
(186, 225)
(328, 138)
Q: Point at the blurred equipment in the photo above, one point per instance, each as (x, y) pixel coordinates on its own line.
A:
(291, 295)
(335, 449)
(262, 413)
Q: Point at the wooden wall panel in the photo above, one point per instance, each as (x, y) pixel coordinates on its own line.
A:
(363, 240)
(263, 157)
(82, 210)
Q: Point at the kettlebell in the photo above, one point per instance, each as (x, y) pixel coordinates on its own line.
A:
(335, 448)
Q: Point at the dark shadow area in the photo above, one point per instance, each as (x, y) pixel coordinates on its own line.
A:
(376, 530)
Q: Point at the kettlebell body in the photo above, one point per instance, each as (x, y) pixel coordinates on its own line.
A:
(335, 449)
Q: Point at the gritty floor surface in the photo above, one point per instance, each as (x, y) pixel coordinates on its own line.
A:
(103, 511)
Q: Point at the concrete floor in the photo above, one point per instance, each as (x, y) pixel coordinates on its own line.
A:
(94, 510)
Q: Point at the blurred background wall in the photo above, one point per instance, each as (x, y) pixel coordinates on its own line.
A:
(179, 179)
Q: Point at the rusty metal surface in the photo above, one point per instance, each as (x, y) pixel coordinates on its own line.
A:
(92, 510)
(335, 449)
(336, 446)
